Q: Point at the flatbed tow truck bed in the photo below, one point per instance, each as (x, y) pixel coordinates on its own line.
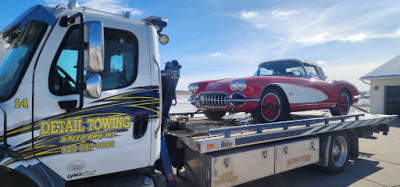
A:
(233, 151)
(204, 135)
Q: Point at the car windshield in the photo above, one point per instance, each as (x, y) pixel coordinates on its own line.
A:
(17, 50)
(281, 68)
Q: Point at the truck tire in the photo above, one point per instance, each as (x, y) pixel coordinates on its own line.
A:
(214, 115)
(270, 108)
(339, 152)
(343, 104)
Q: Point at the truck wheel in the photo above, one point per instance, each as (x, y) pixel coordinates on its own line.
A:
(343, 104)
(339, 152)
(270, 108)
(214, 115)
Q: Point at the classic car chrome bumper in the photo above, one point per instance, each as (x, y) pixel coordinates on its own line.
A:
(219, 100)
(228, 100)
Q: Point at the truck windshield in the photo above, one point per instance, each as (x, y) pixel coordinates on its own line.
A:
(17, 57)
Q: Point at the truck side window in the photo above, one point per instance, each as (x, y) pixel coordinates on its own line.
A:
(120, 67)
(120, 62)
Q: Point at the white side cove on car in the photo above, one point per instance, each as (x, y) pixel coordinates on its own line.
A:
(301, 94)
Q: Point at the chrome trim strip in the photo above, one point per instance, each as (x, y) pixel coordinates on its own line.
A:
(218, 99)
(242, 100)
(210, 106)
(230, 100)
(214, 92)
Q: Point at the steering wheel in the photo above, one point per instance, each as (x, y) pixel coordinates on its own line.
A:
(66, 75)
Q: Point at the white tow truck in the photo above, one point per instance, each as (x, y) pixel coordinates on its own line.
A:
(83, 101)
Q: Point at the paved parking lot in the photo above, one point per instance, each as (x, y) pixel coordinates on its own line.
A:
(377, 165)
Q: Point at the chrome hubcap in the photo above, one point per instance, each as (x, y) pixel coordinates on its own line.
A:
(335, 150)
(344, 103)
(339, 151)
(270, 107)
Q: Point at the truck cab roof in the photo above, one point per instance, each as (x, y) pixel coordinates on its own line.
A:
(50, 15)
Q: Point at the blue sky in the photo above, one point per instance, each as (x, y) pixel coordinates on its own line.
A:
(223, 38)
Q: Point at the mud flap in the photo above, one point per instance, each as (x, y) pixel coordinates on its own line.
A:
(166, 163)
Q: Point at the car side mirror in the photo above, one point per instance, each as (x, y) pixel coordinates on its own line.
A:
(93, 86)
(94, 54)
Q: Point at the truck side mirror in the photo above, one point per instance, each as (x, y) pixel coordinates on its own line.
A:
(93, 86)
(94, 53)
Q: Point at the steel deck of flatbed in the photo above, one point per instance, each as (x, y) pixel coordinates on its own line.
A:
(233, 131)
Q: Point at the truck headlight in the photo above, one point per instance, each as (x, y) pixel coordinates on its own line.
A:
(238, 84)
(193, 87)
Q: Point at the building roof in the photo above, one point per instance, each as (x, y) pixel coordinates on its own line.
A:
(387, 70)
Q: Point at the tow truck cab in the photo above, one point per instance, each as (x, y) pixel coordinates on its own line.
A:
(80, 95)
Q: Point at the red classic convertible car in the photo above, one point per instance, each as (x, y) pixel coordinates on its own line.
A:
(276, 89)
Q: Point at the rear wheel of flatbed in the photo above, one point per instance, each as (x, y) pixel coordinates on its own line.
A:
(214, 115)
(339, 152)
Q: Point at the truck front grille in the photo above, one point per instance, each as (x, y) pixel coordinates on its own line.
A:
(213, 99)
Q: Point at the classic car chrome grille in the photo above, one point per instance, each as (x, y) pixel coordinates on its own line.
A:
(213, 99)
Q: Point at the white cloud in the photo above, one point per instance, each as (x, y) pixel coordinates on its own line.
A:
(316, 39)
(249, 14)
(217, 54)
(356, 37)
(279, 13)
(265, 18)
(325, 37)
(320, 24)
(112, 6)
(320, 62)
(54, 3)
(261, 25)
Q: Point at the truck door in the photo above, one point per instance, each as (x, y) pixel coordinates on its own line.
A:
(110, 133)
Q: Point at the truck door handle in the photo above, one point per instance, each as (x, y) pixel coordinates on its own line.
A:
(141, 122)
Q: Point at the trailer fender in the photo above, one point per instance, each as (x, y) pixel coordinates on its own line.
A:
(353, 139)
(325, 142)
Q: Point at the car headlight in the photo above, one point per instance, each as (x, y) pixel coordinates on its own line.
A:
(234, 85)
(193, 87)
(239, 84)
(242, 85)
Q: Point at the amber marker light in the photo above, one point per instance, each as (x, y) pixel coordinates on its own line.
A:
(210, 146)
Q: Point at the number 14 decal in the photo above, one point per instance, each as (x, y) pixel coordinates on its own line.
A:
(23, 103)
